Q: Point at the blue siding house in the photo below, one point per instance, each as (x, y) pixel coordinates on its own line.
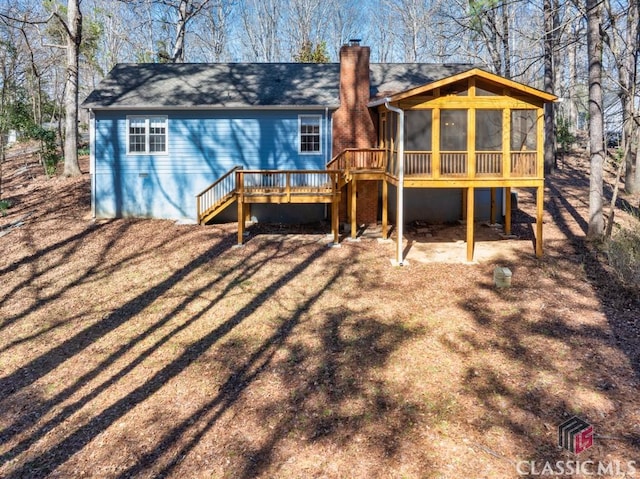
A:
(312, 141)
(161, 133)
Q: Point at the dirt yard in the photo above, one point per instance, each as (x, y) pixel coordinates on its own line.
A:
(140, 348)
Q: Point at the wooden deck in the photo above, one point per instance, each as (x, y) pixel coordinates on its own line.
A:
(422, 169)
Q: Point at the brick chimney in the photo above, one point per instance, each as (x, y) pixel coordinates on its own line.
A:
(353, 125)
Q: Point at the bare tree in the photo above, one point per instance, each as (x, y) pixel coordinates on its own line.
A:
(262, 21)
(623, 43)
(414, 25)
(73, 27)
(551, 26)
(596, 120)
(186, 10)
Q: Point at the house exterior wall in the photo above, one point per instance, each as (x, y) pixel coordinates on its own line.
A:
(441, 205)
(202, 146)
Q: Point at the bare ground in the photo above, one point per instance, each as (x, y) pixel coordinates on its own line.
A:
(139, 348)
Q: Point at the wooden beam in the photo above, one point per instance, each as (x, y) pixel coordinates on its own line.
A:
(461, 182)
(335, 218)
(385, 209)
(506, 143)
(435, 143)
(539, 217)
(460, 102)
(507, 214)
(241, 219)
(470, 217)
(240, 188)
(471, 142)
(354, 196)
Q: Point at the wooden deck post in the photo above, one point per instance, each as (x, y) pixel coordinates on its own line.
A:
(335, 219)
(240, 200)
(507, 211)
(335, 210)
(539, 215)
(241, 220)
(493, 206)
(470, 216)
(385, 209)
(354, 196)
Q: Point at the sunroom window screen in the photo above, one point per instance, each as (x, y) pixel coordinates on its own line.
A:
(488, 130)
(523, 130)
(418, 130)
(453, 130)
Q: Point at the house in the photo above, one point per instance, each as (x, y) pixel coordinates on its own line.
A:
(289, 140)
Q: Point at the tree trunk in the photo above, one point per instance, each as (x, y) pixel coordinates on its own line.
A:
(573, 83)
(181, 30)
(596, 121)
(549, 108)
(630, 110)
(506, 47)
(74, 36)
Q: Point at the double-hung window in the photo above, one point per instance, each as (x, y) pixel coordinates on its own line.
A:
(309, 133)
(147, 134)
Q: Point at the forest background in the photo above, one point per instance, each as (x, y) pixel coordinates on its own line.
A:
(53, 53)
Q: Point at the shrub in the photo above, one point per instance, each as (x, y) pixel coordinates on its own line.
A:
(623, 251)
(50, 156)
(4, 206)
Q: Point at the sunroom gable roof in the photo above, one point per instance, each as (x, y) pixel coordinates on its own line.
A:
(478, 73)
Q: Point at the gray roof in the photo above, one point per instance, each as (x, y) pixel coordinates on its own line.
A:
(249, 85)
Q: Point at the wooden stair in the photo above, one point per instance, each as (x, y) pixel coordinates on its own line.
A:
(217, 196)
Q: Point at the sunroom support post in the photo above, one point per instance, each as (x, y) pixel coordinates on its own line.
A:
(470, 216)
(385, 209)
(539, 215)
(507, 211)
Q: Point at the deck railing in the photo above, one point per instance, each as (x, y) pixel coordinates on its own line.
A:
(449, 164)
(453, 163)
(359, 159)
(417, 163)
(488, 163)
(288, 183)
(524, 163)
(218, 192)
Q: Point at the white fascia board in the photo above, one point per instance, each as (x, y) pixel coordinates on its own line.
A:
(212, 108)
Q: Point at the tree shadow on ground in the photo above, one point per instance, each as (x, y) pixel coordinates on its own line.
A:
(546, 358)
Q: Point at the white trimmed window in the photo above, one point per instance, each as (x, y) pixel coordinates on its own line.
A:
(309, 133)
(146, 134)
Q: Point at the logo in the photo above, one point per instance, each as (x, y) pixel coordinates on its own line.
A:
(575, 435)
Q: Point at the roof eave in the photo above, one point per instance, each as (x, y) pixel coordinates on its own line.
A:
(206, 107)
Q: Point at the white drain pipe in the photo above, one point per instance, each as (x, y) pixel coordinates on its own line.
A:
(400, 200)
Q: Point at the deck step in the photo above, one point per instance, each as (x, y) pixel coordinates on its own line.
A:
(218, 208)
